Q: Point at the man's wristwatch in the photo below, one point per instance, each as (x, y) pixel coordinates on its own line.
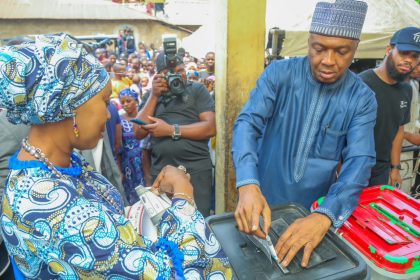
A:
(176, 135)
(397, 166)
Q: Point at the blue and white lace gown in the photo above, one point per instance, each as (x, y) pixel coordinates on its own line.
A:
(64, 228)
(131, 161)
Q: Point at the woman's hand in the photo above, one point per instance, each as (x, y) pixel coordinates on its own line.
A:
(173, 180)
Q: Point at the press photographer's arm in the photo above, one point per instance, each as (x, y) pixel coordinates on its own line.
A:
(159, 86)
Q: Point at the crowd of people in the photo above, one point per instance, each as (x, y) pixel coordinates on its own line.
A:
(78, 145)
(132, 73)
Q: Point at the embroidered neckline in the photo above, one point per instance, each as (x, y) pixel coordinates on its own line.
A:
(75, 170)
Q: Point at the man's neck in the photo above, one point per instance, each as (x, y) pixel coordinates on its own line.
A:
(383, 74)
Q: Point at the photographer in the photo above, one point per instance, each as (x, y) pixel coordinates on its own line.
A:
(181, 120)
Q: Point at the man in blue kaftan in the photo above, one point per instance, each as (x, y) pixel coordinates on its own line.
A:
(304, 116)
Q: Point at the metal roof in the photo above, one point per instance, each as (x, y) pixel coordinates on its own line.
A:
(69, 9)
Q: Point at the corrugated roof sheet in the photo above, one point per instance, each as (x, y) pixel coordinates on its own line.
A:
(69, 9)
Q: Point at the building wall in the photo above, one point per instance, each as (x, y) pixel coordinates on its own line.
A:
(144, 30)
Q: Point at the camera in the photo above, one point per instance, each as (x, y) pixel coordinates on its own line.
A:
(175, 81)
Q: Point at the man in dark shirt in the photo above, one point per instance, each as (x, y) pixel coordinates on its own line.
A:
(181, 127)
(393, 96)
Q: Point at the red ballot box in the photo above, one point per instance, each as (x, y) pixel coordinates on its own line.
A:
(385, 230)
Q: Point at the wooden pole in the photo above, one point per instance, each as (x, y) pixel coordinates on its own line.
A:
(240, 40)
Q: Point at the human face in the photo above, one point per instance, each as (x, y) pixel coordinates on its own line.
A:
(210, 60)
(129, 105)
(91, 119)
(112, 59)
(135, 64)
(119, 71)
(416, 73)
(144, 82)
(150, 67)
(330, 57)
(399, 64)
(130, 73)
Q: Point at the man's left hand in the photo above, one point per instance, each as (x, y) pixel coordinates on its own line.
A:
(395, 177)
(159, 128)
(305, 232)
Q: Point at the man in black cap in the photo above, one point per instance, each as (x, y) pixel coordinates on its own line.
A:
(181, 126)
(393, 96)
(306, 115)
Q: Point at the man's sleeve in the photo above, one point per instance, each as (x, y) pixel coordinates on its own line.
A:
(204, 102)
(358, 160)
(251, 123)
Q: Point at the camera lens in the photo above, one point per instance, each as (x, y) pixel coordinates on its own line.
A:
(175, 83)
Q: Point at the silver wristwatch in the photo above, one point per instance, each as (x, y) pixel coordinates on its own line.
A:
(176, 135)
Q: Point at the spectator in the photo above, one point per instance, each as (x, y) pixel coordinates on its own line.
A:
(136, 65)
(121, 43)
(120, 80)
(136, 86)
(131, 152)
(130, 73)
(100, 54)
(130, 42)
(112, 58)
(150, 67)
(209, 71)
(193, 75)
(393, 96)
(209, 83)
(124, 62)
(180, 128)
(160, 7)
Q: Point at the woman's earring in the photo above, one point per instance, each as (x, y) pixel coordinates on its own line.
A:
(75, 128)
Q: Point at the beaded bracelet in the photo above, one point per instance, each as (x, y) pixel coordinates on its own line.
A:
(188, 198)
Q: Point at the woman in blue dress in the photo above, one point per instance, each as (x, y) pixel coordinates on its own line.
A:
(60, 218)
(131, 151)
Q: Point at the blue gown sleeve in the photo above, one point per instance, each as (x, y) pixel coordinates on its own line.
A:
(358, 160)
(251, 123)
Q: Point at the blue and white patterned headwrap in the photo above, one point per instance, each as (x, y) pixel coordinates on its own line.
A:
(129, 92)
(45, 80)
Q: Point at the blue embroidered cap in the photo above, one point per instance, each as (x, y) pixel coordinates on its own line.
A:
(344, 19)
(407, 39)
(46, 80)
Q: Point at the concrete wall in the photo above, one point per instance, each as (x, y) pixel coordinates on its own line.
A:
(144, 30)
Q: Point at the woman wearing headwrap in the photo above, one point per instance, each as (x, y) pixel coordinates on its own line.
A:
(60, 218)
(131, 151)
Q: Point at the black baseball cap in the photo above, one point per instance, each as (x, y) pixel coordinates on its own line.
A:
(407, 39)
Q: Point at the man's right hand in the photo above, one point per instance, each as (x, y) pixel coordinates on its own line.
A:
(159, 85)
(251, 206)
